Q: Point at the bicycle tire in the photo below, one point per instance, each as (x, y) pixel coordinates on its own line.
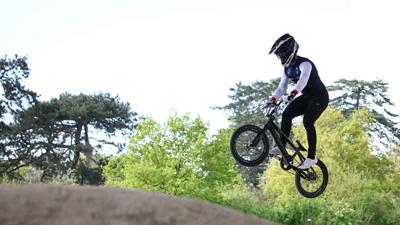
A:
(299, 177)
(248, 133)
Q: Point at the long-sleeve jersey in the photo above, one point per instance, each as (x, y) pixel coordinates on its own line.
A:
(305, 75)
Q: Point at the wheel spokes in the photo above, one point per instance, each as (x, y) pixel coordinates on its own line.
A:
(311, 179)
(246, 148)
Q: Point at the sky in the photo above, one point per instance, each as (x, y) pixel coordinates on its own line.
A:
(184, 55)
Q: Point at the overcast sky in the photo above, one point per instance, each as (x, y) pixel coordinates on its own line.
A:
(161, 55)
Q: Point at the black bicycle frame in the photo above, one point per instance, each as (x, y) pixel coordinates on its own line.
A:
(277, 133)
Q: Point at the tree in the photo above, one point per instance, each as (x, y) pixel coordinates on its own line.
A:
(101, 112)
(246, 102)
(175, 158)
(217, 161)
(53, 135)
(353, 95)
(14, 99)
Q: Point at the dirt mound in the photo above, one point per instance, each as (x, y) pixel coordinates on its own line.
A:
(70, 205)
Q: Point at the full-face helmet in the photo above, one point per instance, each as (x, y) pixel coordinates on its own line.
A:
(285, 48)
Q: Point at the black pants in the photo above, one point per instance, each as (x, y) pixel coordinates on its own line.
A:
(311, 107)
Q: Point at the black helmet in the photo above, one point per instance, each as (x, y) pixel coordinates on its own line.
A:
(286, 48)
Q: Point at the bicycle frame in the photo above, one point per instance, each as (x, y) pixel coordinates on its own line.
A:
(277, 133)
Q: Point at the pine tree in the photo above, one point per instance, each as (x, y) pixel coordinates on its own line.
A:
(352, 95)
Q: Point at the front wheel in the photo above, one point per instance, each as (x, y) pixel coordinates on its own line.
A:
(249, 145)
(312, 182)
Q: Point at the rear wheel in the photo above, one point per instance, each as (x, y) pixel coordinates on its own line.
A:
(312, 182)
(249, 145)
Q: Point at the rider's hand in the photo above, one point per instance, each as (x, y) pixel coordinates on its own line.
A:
(287, 98)
(290, 97)
(271, 101)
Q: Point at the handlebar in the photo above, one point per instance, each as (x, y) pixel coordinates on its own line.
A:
(271, 108)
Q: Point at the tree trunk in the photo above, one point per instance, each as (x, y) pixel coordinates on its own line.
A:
(358, 98)
(77, 146)
(87, 149)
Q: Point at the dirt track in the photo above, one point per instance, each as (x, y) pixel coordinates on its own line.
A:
(73, 205)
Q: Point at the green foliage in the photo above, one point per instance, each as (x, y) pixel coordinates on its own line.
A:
(84, 175)
(240, 196)
(353, 95)
(32, 175)
(15, 96)
(377, 205)
(341, 213)
(175, 158)
(102, 111)
(217, 160)
(363, 188)
(394, 157)
(296, 210)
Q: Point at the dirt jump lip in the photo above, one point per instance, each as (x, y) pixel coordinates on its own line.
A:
(39, 204)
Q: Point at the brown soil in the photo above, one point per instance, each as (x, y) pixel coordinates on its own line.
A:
(83, 205)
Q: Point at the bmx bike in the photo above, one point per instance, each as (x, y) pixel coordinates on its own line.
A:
(250, 147)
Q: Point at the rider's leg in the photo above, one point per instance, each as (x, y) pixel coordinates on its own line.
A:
(296, 108)
(313, 112)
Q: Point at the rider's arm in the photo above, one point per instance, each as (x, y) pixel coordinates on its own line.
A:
(281, 90)
(305, 71)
